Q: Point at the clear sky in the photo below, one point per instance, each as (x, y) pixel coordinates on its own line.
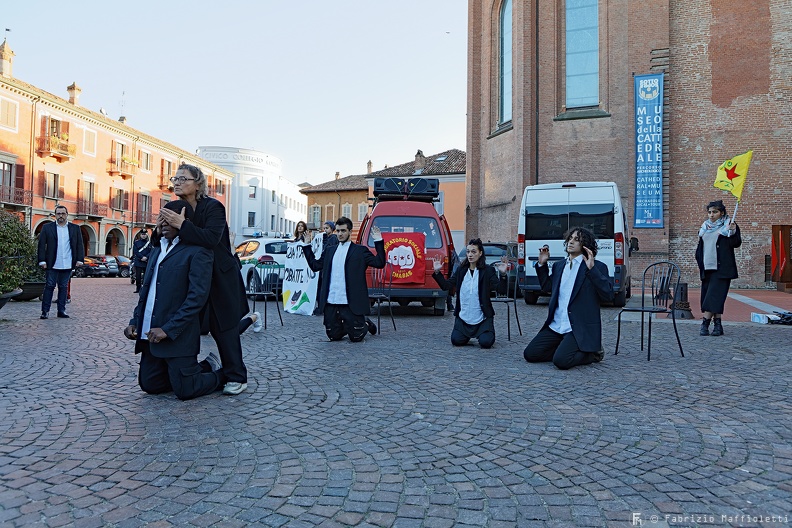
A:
(323, 85)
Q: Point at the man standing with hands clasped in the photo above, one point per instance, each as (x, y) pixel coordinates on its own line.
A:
(572, 333)
(344, 299)
(60, 249)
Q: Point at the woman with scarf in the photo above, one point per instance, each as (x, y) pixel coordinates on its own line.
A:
(718, 237)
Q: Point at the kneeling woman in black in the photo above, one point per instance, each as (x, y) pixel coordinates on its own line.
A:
(473, 281)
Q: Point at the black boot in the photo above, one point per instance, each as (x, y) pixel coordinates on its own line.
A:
(705, 326)
(717, 328)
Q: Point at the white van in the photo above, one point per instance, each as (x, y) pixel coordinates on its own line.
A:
(548, 210)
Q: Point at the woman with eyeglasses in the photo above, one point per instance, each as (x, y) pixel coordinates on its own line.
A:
(227, 300)
(473, 282)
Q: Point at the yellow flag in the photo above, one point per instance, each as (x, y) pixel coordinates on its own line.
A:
(732, 174)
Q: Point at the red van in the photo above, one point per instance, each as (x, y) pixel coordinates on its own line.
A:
(407, 206)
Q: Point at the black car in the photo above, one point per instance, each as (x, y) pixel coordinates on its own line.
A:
(109, 261)
(91, 268)
(124, 266)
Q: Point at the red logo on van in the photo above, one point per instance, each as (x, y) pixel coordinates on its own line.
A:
(405, 251)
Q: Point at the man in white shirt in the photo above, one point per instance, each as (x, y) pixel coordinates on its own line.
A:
(60, 249)
(572, 333)
(166, 324)
(343, 298)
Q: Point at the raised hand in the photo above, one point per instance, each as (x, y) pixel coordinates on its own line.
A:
(503, 265)
(376, 233)
(588, 257)
(544, 255)
(437, 265)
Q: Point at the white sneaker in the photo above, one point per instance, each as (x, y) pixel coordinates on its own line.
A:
(233, 388)
(214, 360)
(258, 324)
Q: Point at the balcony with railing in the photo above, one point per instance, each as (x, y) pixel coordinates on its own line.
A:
(145, 217)
(56, 147)
(164, 182)
(89, 208)
(15, 196)
(123, 166)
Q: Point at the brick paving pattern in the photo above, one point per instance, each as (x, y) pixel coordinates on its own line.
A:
(403, 430)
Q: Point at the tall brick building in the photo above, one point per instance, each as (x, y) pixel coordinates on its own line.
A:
(550, 99)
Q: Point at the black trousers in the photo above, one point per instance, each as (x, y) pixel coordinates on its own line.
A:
(138, 277)
(561, 349)
(230, 348)
(340, 321)
(59, 278)
(483, 331)
(183, 375)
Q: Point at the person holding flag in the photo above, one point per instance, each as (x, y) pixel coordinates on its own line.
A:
(718, 236)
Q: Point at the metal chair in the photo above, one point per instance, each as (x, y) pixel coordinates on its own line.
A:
(509, 297)
(381, 285)
(265, 284)
(660, 282)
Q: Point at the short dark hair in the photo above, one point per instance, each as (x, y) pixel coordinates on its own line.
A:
(587, 238)
(343, 220)
(59, 206)
(717, 204)
(481, 263)
(176, 206)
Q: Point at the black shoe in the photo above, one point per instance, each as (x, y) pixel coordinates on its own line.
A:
(599, 356)
(44, 315)
(63, 315)
(371, 326)
(717, 329)
(705, 326)
(136, 291)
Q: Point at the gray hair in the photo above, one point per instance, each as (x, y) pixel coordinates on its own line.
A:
(200, 179)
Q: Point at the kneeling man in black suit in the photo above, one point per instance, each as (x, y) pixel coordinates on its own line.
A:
(166, 323)
(572, 333)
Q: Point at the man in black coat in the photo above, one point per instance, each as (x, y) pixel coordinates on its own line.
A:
(166, 323)
(140, 252)
(344, 299)
(572, 333)
(60, 249)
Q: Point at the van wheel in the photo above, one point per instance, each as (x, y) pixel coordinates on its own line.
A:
(439, 306)
(629, 292)
(620, 299)
(530, 297)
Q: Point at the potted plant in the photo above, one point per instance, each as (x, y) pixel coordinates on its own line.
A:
(34, 280)
(16, 245)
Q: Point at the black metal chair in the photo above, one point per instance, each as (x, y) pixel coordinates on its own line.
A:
(381, 286)
(509, 297)
(660, 282)
(265, 284)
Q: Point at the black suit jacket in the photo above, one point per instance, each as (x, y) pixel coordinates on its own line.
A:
(487, 281)
(208, 228)
(48, 244)
(357, 260)
(591, 287)
(183, 279)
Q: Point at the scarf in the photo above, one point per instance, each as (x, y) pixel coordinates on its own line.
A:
(721, 225)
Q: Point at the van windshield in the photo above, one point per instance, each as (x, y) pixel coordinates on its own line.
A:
(409, 224)
(550, 222)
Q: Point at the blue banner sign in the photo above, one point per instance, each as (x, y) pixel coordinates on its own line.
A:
(649, 150)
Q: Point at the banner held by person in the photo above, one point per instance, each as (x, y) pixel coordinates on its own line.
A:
(732, 175)
(299, 281)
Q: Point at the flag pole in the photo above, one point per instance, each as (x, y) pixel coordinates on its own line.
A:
(734, 216)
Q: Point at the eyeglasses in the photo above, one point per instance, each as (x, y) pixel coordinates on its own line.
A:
(181, 179)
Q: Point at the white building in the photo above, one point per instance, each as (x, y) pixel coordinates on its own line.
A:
(263, 202)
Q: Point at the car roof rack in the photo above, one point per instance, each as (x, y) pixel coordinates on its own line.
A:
(416, 189)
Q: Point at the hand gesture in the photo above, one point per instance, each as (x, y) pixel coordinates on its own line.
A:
(437, 265)
(376, 234)
(503, 265)
(544, 255)
(130, 332)
(174, 219)
(155, 335)
(588, 257)
(732, 226)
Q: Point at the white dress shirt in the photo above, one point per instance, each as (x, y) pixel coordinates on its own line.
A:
(469, 302)
(561, 322)
(336, 293)
(63, 257)
(152, 293)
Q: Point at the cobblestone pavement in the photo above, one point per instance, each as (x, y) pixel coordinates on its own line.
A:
(402, 430)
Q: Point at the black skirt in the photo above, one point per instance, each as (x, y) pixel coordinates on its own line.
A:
(714, 291)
